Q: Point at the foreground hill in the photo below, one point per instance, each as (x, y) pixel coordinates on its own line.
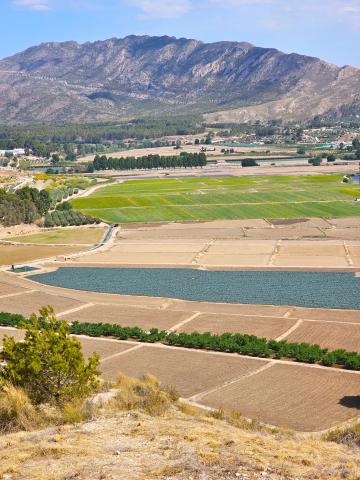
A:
(179, 446)
(108, 79)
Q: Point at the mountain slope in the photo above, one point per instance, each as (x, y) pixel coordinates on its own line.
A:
(110, 79)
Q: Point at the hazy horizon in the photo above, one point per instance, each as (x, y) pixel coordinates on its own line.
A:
(329, 30)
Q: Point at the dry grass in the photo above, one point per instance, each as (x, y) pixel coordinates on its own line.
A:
(349, 436)
(145, 394)
(145, 432)
(16, 410)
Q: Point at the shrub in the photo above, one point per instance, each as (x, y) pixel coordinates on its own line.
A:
(49, 364)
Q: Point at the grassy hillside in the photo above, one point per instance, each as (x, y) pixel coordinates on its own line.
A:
(201, 199)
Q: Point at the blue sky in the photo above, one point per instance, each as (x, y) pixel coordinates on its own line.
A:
(329, 29)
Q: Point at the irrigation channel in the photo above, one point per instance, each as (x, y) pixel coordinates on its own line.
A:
(304, 289)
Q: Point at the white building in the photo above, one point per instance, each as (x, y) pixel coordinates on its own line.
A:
(15, 152)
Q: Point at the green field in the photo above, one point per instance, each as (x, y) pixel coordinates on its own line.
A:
(231, 198)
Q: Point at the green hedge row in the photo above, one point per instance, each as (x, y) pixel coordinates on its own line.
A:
(227, 342)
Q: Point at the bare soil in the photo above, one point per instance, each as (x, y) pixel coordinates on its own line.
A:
(31, 303)
(252, 325)
(190, 372)
(128, 316)
(330, 335)
(302, 398)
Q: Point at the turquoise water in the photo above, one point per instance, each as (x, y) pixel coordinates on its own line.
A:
(308, 289)
(24, 269)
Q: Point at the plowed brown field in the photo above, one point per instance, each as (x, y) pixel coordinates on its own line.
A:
(302, 398)
(330, 335)
(220, 323)
(190, 372)
(145, 318)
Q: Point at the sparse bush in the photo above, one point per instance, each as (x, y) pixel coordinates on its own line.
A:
(49, 364)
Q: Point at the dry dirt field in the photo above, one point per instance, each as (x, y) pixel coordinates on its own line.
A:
(331, 335)
(190, 371)
(29, 302)
(302, 398)
(154, 246)
(128, 316)
(270, 327)
(235, 254)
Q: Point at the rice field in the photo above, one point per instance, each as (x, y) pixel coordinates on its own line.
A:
(231, 198)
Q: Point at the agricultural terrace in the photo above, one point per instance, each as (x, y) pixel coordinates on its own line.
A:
(231, 198)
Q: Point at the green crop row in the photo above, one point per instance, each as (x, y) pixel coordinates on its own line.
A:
(227, 342)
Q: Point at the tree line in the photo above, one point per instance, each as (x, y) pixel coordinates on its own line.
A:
(26, 136)
(184, 160)
(23, 206)
(227, 342)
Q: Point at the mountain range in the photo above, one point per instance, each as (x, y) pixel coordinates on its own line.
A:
(139, 75)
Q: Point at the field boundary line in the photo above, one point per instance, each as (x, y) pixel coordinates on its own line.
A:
(289, 312)
(348, 255)
(291, 330)
(184, 322)
(200, 395)
(17, 294)
(274, 253)
(111, 357)
(240, 356)
(202, 252)
(279, 317)
(329, 321)
(76, 309)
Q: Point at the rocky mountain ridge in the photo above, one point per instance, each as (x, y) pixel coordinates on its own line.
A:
(119, 78)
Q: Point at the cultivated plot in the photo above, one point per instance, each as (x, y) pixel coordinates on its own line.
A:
(201, 199)
(303, 398)
(9, 289)
(329, 335)
(128, 316)
(103, 347)
(73, 236)
(15, 254)
(219, 323)
(29, 303)
(190, 372)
